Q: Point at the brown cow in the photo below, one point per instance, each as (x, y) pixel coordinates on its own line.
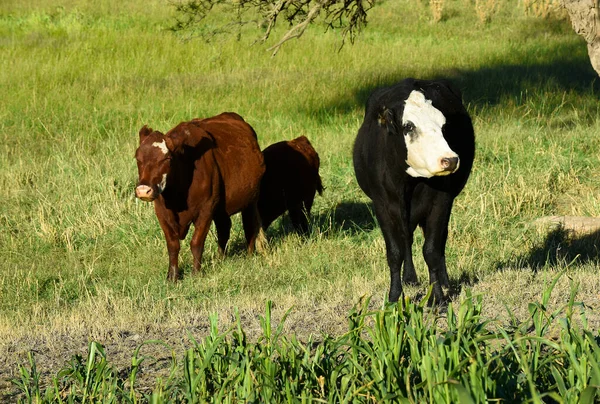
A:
(290, 182)
(202, 170)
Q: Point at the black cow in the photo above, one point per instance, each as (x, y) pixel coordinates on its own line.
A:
(412, 157)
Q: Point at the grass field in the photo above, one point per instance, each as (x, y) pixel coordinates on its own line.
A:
(83, 260)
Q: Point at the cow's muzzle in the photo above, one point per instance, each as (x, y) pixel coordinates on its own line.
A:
(145, 193)
(449, 164)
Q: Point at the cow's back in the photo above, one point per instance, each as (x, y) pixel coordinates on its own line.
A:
(302, 145)
(238, 156)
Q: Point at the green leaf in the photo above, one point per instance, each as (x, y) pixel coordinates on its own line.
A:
(464, 397)
(588, 395)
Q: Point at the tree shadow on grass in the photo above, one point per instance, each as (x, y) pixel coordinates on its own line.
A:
(491, 85)
(560, 247)
(568, 69)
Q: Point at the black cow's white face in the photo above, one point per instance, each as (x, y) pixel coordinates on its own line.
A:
(153, 160)
(428, 153)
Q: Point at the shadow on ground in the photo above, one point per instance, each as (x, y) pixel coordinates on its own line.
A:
(560, 247)
(489, 86)
(455, 288)
(567, 70)
(350, 218)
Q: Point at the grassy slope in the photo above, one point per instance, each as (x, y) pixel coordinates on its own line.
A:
(81, 257)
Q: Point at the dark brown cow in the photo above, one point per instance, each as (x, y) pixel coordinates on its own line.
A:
(290, 182)
(202, 170)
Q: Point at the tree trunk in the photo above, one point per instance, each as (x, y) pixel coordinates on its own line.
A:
(586, 22)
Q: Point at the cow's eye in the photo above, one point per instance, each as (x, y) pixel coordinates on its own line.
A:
(408, 127)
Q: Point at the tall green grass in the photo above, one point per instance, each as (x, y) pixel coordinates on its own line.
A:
(400, 353)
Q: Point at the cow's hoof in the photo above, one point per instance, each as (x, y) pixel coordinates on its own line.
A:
(174, 277)
(410, 281)
(438, 301)
(444, 280)
(393, 297)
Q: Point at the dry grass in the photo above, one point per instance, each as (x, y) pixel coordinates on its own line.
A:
(542, 8)
(437, 9)
(485, 9)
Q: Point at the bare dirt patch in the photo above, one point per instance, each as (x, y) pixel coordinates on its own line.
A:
(576, 225)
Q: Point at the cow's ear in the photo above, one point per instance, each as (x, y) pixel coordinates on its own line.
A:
(144, 132)
(185, 136)
(455, 90)
(385, 119)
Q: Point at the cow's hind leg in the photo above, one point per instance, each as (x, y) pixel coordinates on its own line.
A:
(223, 225)
(251, 223)
(299, 217)
(436, 234)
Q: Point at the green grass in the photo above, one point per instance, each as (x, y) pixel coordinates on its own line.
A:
(83, 259)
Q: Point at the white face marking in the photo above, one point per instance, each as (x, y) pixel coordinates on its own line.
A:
(162, 146)
(426, 146)
(163, 183)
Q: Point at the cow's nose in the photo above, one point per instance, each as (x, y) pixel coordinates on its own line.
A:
(144, 192)
(450, 163)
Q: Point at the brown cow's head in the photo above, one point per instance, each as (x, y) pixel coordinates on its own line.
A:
(154, 164)
(156, 151)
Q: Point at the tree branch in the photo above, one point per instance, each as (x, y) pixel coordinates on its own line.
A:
(297, 30)
(348, 15)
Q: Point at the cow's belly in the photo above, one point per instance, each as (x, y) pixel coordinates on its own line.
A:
(241, 184)
(240, 197)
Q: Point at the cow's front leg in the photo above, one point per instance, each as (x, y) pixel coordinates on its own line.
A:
(390, 222)
(409, 276)
(436, 234)
(174, 274)
(167, 224)
(201, 227)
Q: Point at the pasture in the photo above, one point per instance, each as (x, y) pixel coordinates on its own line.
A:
(82, 260)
